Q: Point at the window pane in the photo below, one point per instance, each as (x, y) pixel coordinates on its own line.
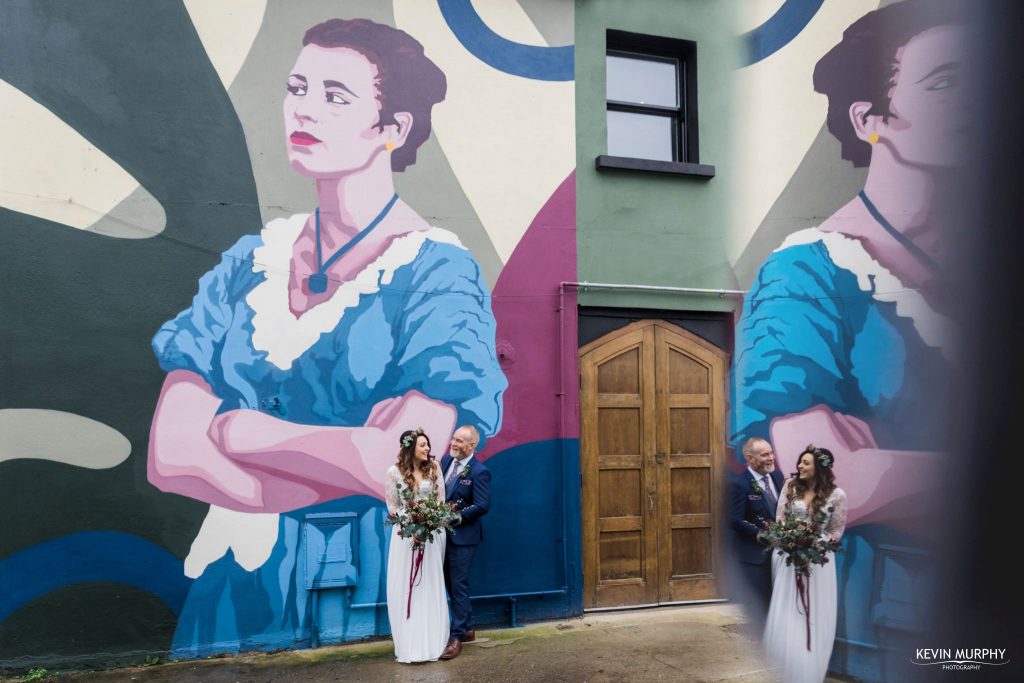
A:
(640, 136)
(642, 81)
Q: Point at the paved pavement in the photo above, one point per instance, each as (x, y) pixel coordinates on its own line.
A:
(687, 643)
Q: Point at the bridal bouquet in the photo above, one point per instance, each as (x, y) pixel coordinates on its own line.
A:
(802, 542)
(418, 519)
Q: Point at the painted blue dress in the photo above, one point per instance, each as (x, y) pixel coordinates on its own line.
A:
(417, 318)
(824, 324)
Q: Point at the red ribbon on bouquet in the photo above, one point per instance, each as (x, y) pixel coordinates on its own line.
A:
(803, 596)
(414, 572)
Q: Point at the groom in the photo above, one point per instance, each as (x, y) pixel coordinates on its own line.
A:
(467, 483)
(753, 498)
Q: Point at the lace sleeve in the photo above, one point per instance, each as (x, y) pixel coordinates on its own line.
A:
(780, 509)
(392, 480)
(438, 482)
(837, 520)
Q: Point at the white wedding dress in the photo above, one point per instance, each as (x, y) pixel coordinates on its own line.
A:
(785, 633)
(423, 635)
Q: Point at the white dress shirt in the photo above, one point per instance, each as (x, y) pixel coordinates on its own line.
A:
(759, 478)
(457, 463)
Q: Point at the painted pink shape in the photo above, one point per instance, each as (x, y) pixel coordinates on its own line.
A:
(250, 461)
(882, 486)
(182, 458)
(526, 300)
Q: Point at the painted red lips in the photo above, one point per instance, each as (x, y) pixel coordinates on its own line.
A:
(301, 138)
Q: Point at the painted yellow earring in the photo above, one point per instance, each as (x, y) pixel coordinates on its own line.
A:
(873, 138)
(389, 146)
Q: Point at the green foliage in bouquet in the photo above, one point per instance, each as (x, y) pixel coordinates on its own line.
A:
(802, 542)
(418, 519)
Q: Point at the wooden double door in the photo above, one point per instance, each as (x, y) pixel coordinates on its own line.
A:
(652, 448)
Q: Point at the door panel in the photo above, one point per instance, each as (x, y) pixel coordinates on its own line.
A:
(690, 403)
(617, 437)
(689, 430)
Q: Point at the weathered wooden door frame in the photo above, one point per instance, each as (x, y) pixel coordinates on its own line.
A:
(655, 403)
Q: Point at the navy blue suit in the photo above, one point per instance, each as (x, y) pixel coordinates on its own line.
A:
(749, 508)
(472, 497)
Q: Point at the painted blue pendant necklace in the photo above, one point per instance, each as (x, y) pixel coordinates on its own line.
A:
(317, 282)
(917, 251)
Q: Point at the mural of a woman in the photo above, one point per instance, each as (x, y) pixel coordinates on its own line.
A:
(843, 339)
(841, 335)
(313, 345)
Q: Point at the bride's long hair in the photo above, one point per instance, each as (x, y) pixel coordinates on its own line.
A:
(823, 483)
(407, 464)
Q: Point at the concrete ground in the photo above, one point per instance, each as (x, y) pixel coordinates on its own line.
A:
(688, 643)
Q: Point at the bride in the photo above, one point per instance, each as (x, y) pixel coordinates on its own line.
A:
(419, 624)
(802, 644)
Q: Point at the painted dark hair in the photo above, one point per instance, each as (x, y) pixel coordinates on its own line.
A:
(407, 458)
(863, 67)
(406, 79)
(824, 482)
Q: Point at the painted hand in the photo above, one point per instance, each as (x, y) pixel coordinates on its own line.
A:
(882, 485)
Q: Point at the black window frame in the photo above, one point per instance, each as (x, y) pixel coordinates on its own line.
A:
(685, 151)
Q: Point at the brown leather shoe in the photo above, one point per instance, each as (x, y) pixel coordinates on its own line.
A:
(469, 637)
(453, 650)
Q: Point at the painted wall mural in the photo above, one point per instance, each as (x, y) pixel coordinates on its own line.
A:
(845, 338)
(199, 412)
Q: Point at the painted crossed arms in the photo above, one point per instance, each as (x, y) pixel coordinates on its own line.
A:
(250, 461)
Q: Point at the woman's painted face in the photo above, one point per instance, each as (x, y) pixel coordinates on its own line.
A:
(331, 108)
(422, 451)
(805, 467)
(929, 123)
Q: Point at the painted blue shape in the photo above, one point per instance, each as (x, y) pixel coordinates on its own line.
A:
(91, 556)
(532, 543)
(329, 542)
(527, 532)
(783, 26)
(527, 61)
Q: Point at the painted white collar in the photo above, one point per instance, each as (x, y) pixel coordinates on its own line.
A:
(849, 254)
(276, 330)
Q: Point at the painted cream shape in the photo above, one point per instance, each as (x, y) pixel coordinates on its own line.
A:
(88, 190)
(55, 435)
(510, 140)
(227, 29)
(781, 115)
(79, 191)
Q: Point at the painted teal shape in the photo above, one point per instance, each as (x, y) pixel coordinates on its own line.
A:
(91, 556)
(783, 26)
(527, 61)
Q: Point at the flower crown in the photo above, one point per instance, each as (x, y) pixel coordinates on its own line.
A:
(409, 439)
(822, 457)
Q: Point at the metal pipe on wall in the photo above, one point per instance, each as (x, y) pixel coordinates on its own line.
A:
(652, 288)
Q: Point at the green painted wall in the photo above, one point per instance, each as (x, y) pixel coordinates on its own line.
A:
(645, 228)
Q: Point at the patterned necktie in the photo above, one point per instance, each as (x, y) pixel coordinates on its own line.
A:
(452, 473)
(772, 500)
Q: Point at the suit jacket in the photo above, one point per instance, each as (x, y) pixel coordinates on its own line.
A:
(748, 510)
(472, 497)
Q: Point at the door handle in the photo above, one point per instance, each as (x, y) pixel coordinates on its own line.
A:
(660, 458)
(650, 502)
